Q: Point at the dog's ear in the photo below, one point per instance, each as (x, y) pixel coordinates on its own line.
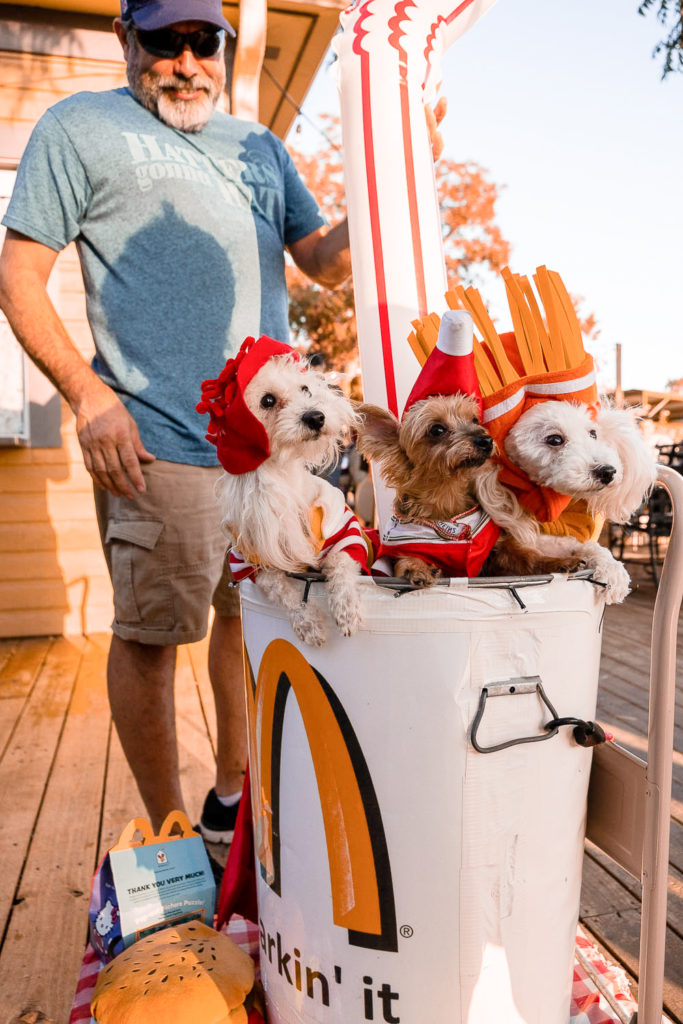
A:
(377, 433)
(639, 464)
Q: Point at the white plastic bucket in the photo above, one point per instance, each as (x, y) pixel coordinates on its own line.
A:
(404, 876)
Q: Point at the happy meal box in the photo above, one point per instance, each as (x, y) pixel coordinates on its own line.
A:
(147, 882)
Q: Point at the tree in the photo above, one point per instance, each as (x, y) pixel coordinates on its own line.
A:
(325, 321)
(472, 242)
(670, 14)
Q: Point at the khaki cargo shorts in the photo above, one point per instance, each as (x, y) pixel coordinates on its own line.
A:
(167, 555)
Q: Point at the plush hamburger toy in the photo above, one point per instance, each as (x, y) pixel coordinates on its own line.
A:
(189, 975)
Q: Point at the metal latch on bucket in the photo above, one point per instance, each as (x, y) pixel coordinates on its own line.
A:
(586, 734)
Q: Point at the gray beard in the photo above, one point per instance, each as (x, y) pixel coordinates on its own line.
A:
(184, 115)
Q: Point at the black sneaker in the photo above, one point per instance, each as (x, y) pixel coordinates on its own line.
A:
(217, 823)
(217, 870)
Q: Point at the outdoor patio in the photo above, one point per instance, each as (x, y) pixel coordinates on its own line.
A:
(66, 792)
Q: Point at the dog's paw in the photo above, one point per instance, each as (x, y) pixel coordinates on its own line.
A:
(618, 583)
(308, 624)
(345, 606)
(418, 573)
(606, 569)
(348, 619)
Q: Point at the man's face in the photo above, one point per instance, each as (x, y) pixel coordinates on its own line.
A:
(182, 91)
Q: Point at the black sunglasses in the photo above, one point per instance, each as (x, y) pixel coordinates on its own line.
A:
(169, 44)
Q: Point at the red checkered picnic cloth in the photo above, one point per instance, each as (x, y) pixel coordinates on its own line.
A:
(588, 1006)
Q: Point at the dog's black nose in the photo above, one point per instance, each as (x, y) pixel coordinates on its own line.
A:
(484, 443)
(605, 474)
(314, 419)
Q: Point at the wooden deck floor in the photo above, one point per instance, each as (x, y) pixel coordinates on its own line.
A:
(66, 791)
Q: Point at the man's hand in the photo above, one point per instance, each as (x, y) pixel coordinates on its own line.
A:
(108, 434)
(109, 438)
(434, 117)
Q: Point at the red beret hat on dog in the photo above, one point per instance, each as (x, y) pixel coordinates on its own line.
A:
(449, 368)
(241, 440)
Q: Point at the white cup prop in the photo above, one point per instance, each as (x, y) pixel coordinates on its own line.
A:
(389, 66)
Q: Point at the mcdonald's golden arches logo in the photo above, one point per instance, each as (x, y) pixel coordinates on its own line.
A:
(358, 858)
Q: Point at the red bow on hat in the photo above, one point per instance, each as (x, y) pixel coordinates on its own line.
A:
(241, 440)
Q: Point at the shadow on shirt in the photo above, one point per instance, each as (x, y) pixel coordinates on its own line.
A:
(167, 305)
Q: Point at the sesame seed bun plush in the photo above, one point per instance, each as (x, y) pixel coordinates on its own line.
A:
(190, 974)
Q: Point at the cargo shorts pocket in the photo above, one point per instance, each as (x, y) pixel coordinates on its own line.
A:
(142, 591)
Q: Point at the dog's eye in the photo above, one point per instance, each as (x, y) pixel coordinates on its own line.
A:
(306, 390)
(475, 419)
(593, 434)
(268, 401)
(437, 430)
(554, 440)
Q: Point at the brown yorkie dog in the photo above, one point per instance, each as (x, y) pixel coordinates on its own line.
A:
(451, 516)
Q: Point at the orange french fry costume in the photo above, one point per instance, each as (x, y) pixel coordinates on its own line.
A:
(542, 360)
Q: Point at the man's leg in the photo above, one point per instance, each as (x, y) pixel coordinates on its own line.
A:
(226, 673)
(227, 680)
(140, 678)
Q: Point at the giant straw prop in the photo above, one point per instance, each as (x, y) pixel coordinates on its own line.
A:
(389, 66)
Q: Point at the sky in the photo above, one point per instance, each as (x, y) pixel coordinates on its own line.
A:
(564, 105)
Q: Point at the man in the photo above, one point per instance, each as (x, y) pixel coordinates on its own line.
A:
(181, 215)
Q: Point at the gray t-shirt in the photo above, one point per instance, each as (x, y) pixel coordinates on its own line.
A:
(181, 239)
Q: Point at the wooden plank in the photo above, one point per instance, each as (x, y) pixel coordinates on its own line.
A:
(198, 654)
(40, 536)
(635, 671)
(195, 752)
(614, 715)
(22, 594)
(73, 506)
(636, 620)
(34, 457)
(637, 698)
(7, 649)
(611, 913)
(45, 479)
(634, 678)
(20, 662)
(633, 886)
(54, 593)
(63, 850)
(71, 622)
(26, 764)
(37, 565)
(20, 670)
(122, 800)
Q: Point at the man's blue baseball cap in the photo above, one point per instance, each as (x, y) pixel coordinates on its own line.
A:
(153, 14)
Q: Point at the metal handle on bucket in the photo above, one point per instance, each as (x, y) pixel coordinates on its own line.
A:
(586, 734)
(523, 684)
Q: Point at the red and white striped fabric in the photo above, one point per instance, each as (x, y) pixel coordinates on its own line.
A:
(333, 527)
(458, 547)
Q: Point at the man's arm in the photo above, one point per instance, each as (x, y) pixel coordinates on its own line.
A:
(324, 254)
(108, 435)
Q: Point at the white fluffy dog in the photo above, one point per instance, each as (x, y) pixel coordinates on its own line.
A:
(280, 516)
(603, 460)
